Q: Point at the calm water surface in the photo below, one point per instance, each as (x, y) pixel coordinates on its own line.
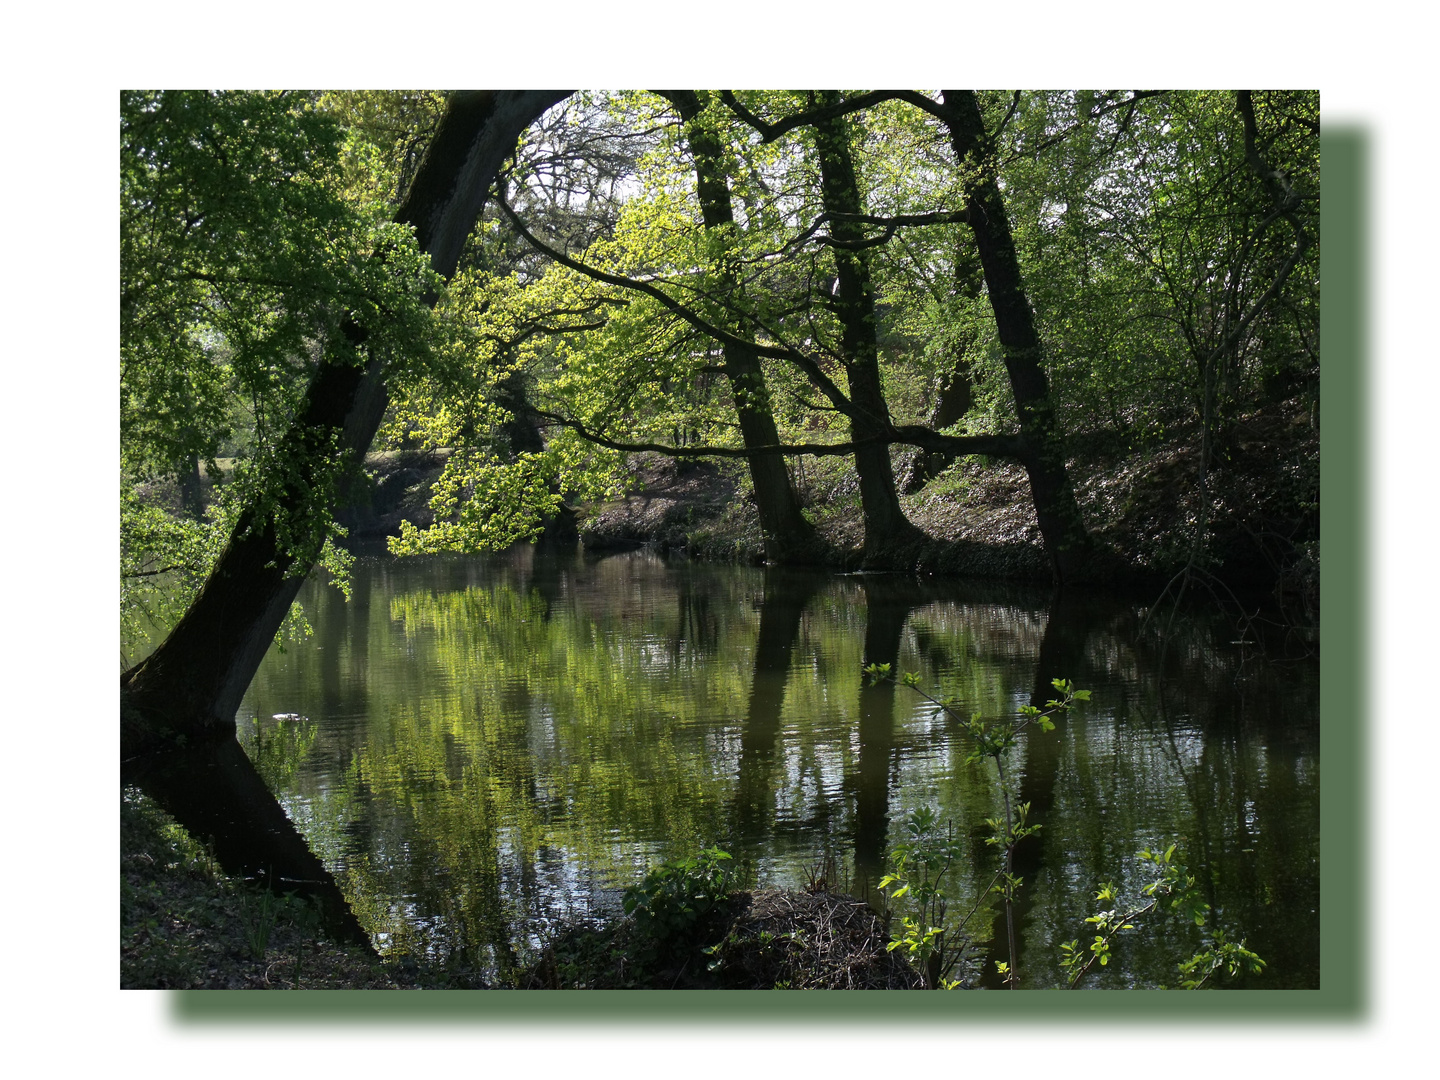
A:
(479, 748)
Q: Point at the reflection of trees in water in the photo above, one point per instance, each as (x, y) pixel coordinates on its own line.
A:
(1072, 618)
(530, 731)
(216, 794)
(888, 603)
(786, 594)
(1114, 778)
(1190, 757)
(521, 734)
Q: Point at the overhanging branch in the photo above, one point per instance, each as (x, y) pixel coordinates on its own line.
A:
(770, 132)
(807, 364)
(1006, 446)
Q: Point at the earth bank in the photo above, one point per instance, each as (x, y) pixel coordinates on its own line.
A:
(1145, 505)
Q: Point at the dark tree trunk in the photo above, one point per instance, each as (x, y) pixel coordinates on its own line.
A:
(192, 684)
(192, 490)
(886, 526)
(789, 536)
(1056, 510)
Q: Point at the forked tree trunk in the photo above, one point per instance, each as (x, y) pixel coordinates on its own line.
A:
(886, 526)
(191, 686)
(1057, 512)
(789, 536)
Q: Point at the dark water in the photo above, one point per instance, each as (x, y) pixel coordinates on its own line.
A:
(477, 748)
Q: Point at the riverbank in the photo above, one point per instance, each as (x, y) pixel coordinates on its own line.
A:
(1143, 503)
(185, 925)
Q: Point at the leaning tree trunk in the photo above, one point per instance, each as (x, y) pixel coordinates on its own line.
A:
(789, 536)
(1043, 451)
(886, 526)
(192, 684)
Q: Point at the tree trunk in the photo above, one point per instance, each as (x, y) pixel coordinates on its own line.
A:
(192, 684)
(789, 536)
(192, 490)
(219, 798)
(1043, 453)
(854, 304)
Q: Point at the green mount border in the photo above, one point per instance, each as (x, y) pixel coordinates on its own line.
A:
(1344, 677)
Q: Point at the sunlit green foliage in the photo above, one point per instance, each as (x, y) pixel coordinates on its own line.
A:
(385, 136)
(1172, 890)
(1152, 254)
(240, 262)
(919, 865)
(1148, 238)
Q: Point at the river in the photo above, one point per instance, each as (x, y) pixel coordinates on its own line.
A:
(480, 749)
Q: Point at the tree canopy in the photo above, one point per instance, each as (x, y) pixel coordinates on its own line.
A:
(245, 247)
(863, 285)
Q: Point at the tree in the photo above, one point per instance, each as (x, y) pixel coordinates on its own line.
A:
(175, 146)
(789, 536)
(886, 527)
(1042, 447)
(625, 368)
(1171, 253)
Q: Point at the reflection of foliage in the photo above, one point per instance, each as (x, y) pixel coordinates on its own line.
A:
(279, 748)
(503, 748)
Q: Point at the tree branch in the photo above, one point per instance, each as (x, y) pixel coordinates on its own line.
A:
(890, 225)
(770, 132)
(1008, 446)
(806, 363)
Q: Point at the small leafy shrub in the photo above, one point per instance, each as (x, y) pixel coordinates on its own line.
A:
(674, 914)
(917, 875)
(673, 899)
(993, 740)
(1173, 890)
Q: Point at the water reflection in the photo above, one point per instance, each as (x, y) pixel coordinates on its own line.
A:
(501, 743)
(218, 795)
